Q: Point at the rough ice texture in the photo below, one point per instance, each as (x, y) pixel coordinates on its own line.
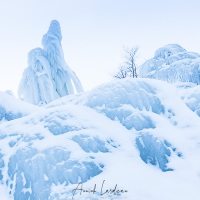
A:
(47, 76)
(172, 63)
(155, 151)
(32, 172)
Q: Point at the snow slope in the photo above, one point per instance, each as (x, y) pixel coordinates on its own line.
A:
(173, 64)
(11, 108)
(138, 134)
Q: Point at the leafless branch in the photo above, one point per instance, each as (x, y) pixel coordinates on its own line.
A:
(129, 68)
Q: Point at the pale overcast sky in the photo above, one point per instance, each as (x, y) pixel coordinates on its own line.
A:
(94, 33)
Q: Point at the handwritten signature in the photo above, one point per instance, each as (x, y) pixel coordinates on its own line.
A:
(103, 191)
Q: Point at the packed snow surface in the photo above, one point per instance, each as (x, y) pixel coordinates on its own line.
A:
(136, 136)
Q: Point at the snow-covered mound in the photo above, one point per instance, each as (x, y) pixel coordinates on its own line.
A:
(11, 108)
(172, 63)
(47, 76)
(59, 146)
(131, 102)
(131, 133)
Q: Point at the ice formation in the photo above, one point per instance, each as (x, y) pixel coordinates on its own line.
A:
(47, 76)
(173, 64)
(126, 132)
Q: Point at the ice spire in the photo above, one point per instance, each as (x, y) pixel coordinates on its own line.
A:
(47, 76)
(63, 76)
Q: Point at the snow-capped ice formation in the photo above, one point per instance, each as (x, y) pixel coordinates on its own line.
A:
(173, 64)
(63, 76)
(133, 133)
(47, 76)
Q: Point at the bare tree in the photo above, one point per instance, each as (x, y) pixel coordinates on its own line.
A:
(122, 73)
(129, 68)
(130, 56)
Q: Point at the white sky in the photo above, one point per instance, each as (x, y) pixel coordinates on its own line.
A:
(94, 33)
